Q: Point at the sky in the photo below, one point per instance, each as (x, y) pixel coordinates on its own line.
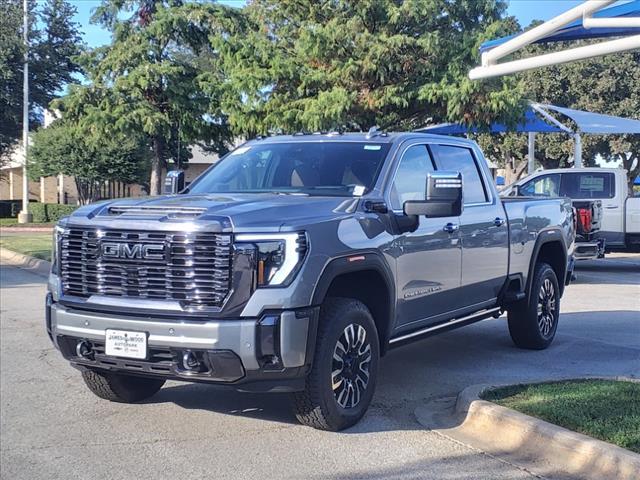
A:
(524, 10)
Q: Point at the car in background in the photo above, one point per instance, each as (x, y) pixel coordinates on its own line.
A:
(607, 213)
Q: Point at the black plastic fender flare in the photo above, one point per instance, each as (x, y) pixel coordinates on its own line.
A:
(545, 237)
(357, 262)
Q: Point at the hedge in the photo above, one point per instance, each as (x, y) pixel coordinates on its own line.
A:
(50, 212)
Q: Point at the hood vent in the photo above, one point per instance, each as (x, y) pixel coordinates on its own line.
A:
(148, 210)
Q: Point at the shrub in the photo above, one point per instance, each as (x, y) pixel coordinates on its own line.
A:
(50, 212)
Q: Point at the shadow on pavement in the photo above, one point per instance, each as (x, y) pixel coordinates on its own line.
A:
(614, 271)
(431, 372)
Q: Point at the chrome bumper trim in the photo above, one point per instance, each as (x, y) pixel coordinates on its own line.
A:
(236, 335)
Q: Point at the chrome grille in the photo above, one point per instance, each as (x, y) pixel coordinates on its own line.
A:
(192, 268)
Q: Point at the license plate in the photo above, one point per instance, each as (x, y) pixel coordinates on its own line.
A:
(122, 343)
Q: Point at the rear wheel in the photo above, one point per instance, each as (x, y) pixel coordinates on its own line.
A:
(341, 383)
(533, 323)
(121, 388)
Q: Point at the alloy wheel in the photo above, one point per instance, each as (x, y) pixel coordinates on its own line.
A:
(350, 370)
(546, 308)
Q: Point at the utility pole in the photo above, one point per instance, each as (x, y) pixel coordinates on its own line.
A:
(24, 216)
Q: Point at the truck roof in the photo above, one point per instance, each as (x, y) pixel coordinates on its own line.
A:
(377, 137)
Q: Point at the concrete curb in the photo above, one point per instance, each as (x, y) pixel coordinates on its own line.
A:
(26, 229)
(580, 455)
(25, 262)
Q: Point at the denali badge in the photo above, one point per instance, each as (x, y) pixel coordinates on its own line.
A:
(135, 250)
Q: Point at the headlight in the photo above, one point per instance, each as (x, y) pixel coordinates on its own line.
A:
(55, 247)
(279, 255)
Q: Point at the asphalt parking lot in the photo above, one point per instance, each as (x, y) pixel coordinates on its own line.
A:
(52, 427)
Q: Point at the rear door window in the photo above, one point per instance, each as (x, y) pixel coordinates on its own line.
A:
(587, 185)
(461, 159)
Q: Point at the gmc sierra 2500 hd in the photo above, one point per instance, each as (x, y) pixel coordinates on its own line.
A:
(296, 262)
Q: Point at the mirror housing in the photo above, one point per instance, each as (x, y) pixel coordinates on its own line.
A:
(174, 182)
(517, 191)
(443, 197)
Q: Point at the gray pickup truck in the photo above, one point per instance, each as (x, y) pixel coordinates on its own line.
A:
(296, 262)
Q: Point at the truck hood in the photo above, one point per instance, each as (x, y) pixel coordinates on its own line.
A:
(269, 211)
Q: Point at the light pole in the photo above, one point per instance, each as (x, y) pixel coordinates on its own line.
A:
(24, 216)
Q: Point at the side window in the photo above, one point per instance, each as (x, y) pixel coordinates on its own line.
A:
(588, 185)
(411, 177)
(543, 186)
(460, 159)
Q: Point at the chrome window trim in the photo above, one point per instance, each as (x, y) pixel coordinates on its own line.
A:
(474, 154)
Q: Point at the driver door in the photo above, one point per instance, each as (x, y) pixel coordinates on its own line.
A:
(428, 260)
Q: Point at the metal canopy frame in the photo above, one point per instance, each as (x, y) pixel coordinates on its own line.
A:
(586, 122)
(591, 15)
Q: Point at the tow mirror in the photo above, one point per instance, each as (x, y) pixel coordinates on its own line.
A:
(443, 197)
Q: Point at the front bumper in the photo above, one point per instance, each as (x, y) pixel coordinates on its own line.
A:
(272, 353)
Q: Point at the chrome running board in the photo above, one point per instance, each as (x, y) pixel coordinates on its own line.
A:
(453, 323)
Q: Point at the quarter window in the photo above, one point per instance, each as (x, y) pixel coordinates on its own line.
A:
(460, 159)
(411, 178)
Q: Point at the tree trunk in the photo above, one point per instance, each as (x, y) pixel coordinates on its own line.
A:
(157, 165)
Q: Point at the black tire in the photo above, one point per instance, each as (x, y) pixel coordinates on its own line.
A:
(335, 401)
(120, 388)
(533, 322)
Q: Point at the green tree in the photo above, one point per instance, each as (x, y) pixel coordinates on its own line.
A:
(54, 42)
(321, 65)
(147, 80)
(68, 148)
(607, 84)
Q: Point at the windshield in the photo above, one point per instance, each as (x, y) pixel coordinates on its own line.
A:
(312, 168)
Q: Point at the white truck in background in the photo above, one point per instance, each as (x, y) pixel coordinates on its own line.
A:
(607, 213)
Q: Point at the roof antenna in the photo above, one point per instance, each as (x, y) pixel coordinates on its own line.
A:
(373, 131)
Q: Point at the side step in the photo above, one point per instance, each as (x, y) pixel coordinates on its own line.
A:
(443, 327)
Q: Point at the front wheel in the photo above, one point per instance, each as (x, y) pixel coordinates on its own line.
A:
(533, 323)
(121, 388)
(340, 386)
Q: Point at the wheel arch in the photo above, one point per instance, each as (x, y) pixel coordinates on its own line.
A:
(366, 277)
(550, 248)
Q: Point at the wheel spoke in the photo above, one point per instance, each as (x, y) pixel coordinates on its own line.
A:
(362, 338)
(336, 379)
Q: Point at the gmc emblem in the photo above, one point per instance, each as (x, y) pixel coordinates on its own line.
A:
(132, 251)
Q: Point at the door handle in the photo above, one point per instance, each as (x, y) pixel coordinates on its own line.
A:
(498, 222)
(450, 227)
(611, 207)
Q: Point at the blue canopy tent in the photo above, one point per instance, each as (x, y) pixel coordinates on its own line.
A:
(577, 31)
(540, 118)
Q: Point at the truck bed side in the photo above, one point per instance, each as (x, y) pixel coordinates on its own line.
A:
(533, 221)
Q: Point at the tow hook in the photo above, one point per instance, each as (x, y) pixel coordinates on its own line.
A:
(84, 349)
(190, 361)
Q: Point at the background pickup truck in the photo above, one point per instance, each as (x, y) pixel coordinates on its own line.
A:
(610, 214)
(296, 262)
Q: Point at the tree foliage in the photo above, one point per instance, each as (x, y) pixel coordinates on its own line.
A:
(146, 81)
(54, 42)
(70, 149)
(322, 65)
(606, 84)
